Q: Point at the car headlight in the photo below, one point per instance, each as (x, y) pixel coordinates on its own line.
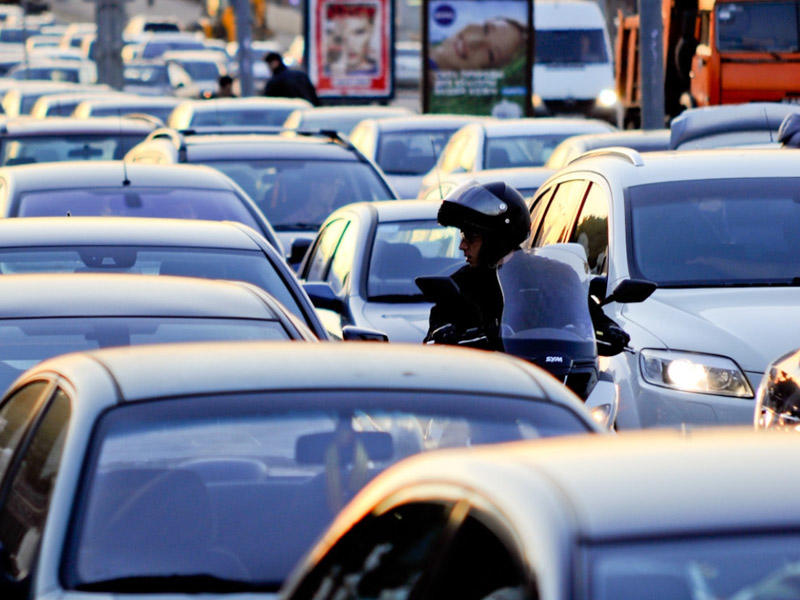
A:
(607, 98)
(689, 372)
(537, 102)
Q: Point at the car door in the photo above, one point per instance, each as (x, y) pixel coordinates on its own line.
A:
(25, 494)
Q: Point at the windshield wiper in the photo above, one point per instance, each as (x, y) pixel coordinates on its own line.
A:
(190, 584)
(301, 225)
(397, 298)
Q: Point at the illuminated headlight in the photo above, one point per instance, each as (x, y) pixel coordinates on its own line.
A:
(699, 373)
(536, 101)
(607, 98)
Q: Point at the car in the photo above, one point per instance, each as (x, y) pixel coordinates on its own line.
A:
(716, 231)
(209, 468)
(55, 313)
(80, 72)
(525, 179)
(295, 181)
(729, 125)
(155, 78)
(158, 107)
(405, 148)
(233, 111)
(651, 140)
(369, 253)
(139, 24)
(64, 104)
(28, 140)
(640, 515)
(116, 188)
(19, 98)
(503, 143)
(207, 249)
(203, 66)
(339, 118)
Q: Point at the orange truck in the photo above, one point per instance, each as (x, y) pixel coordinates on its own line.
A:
(716, 52)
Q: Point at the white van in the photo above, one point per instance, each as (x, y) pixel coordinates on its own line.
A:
(573, 70)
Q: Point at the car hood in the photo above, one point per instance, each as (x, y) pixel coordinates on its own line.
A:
(406, 186)
(402, 322)
(753, 326)
(558, 82)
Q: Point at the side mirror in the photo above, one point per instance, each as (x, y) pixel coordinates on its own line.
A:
(351, 333)
(322, 296)
(299, 248)
(631, 290)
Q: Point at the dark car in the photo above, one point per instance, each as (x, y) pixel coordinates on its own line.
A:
(210, 468)
(28, 140)
(296, 181)
(207, 249)
(115, 188)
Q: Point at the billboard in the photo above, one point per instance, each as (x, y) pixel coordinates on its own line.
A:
(351, 48)
(477, 57)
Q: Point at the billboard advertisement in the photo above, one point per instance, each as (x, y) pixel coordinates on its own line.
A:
(477, 57)
(351, 48)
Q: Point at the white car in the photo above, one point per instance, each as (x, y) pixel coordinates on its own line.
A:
(717, 231)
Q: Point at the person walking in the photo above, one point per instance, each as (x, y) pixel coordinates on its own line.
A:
(288, 83)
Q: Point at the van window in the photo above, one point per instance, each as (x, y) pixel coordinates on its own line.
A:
(570, 46)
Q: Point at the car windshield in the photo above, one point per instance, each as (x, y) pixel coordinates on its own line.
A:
(716, 232)
(212, 263)
(159, 112)
(523, 151)
(405, 250)
(26, 342)
(411, 152)
(150, 75)
(156, 49)
(344, 124)
(268, 115)
(300, 194)
(736, 567)
(201, 70)
(180, 203)
(757, 27)
(236, 488)
(46, 74)
(62, 147)
(570, 46)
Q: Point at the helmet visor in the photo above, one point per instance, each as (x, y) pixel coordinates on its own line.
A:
(474, 196)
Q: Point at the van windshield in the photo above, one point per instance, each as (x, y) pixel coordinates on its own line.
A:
(570, 46)
(758, 27)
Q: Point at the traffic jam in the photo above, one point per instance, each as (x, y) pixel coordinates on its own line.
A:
(372, 299)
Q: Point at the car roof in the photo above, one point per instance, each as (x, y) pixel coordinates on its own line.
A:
(397, 210)
(628, 167)
(515, 176)
(633, 485)
(205, 146)
(119, 294)
(121, 231)
(63, 125)
(367, 111)
(134, 100)
(642, 140)
(66, 175)
(253, 103)
(247, 366)
(726, 118)
(543, 126)
(425, 122)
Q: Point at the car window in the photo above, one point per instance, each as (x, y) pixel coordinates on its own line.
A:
(323, 249)
(15, 417)
(382, 556)
(479, 564)
(414, 152)
(451, 155)
(343, 258)
(35, 149)
(521, 151)
(591, 229)
(560, 214)
(538, 207)
(26, 506)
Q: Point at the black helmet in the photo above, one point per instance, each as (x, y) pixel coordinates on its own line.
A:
(495, 210)
(789, 131)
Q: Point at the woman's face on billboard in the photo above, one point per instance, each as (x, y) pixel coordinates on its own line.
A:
(487, 45)
(349, 40)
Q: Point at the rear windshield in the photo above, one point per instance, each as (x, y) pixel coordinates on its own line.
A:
(757, 26)
(411, 152)
(300, 194)
(273, 115)
(183, 203)
(36, 149)
(570, 46)
(160, 112)
(523, 151)
(201, 70)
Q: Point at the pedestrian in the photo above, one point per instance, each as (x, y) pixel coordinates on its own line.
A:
(288, 83)
(225, 87)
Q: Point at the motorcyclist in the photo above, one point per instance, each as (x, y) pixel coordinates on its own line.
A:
(494, 221)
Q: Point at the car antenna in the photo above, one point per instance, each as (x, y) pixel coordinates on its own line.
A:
(766, 118)
(436, 166)
(125, 180)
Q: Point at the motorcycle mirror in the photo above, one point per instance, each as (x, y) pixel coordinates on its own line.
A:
(598, 287)
(631, 290)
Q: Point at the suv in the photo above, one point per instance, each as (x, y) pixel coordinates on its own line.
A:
(717, 232)
(296, 181)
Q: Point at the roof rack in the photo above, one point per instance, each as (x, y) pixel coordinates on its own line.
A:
(629, 154)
